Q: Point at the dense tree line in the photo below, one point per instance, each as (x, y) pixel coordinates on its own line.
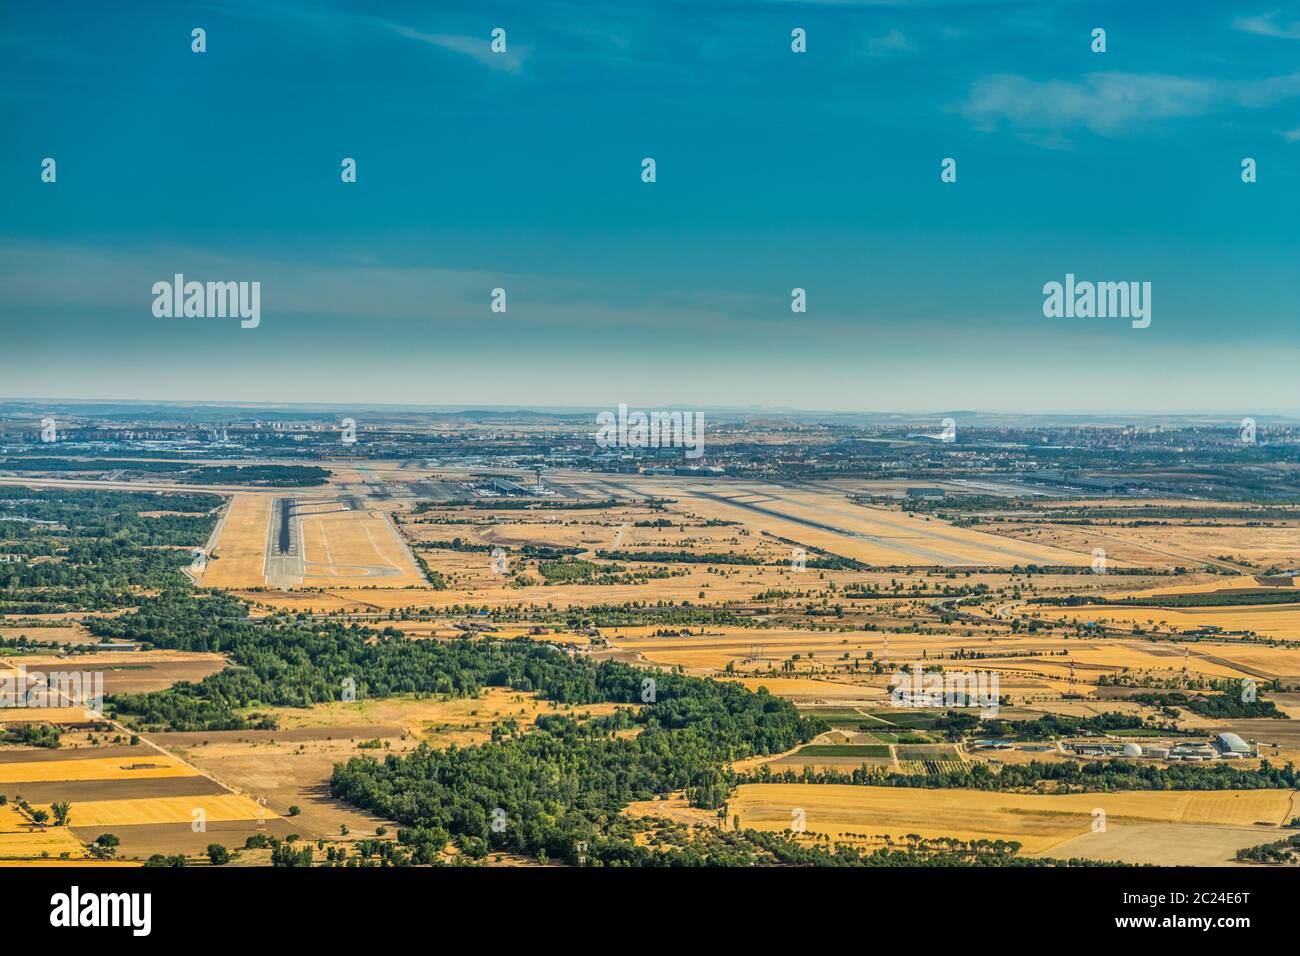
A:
(1056, 777)
(656, 842)
(277, 476)
(280, 476)
(571, 571)
(547, 552)
(957, 725)
(673, 844)
(1189, 599)
(522, 504)
(1279, 851)
(1218, 705)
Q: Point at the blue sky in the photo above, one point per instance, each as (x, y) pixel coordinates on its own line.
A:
(775, 170)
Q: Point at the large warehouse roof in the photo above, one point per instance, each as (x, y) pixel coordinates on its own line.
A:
(1234, 744)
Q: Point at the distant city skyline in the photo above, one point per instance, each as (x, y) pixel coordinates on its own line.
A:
(109, 409)
(775, 170)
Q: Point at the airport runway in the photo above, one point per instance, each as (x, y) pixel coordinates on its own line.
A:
(284, 564)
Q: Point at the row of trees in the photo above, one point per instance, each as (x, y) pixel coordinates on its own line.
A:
(1060, 777)
(60, 812)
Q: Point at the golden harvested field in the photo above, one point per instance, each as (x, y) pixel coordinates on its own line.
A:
(107, 660)
(66, 634)
(1170, 545)
(711, 648)
(123, 672)
(460, 720)
(476, 581)
(812, 690)
(1021, 755)
(290, 773)
(53, 715)
(1080, 708)
(353, 547)
(1288, 704)
(53, 841)
(70, 862)
(1198, 584)
(19, 838)
(1164, 844)
(239, 556)
(1037, 822)
(1091, 661)
(93, 768)
(1026, 664)
(217, 808)
(1272, 620)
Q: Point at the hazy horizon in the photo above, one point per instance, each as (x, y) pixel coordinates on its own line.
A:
(1116, 416)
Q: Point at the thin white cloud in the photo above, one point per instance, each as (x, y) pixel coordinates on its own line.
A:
(478, 48)
(892, 42)
(1110, 103)
(1266, 25)
(899, 4)
(325, 17)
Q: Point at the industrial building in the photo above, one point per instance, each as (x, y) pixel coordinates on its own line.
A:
(924, 492)
(1230, 746)
(1192, 751)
